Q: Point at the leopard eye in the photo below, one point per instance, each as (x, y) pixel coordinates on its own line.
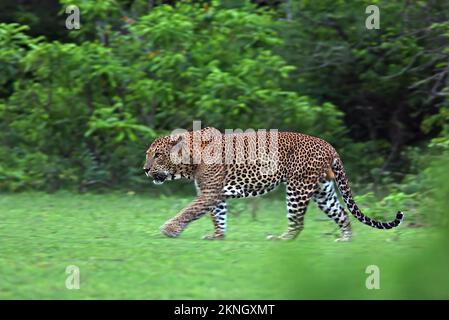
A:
(157, 155)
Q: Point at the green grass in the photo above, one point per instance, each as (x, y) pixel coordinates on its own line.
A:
(114, 239)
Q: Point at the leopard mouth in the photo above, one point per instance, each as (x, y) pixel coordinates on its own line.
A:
(159, 177)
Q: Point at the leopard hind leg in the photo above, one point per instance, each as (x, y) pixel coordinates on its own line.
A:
(326, 199)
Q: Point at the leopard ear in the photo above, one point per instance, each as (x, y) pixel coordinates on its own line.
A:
(174, 140)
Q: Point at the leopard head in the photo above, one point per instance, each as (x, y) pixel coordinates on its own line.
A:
(162, 160)
(176, 156)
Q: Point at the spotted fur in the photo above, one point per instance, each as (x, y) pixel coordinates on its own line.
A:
(307, 165)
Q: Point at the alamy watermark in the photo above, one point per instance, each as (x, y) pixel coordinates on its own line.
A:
(373, 20)
(73, 19)
(73, 279)
(373, 280)
(235, 146)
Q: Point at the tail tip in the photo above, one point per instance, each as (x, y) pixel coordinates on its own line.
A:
(400, 215)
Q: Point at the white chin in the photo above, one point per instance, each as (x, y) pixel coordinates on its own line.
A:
(158, 182)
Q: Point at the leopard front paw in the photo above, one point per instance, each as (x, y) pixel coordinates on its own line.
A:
(171, 229)
(214, 237)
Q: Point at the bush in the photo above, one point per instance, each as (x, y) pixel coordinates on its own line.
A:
(81, 115)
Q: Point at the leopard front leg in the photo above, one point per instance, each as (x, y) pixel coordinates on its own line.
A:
(219, 220)
(209, 179)
(195, 210)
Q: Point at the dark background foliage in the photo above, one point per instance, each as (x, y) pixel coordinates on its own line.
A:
(78, 108)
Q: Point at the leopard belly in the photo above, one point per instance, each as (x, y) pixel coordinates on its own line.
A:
(244, 184)
(246, 191)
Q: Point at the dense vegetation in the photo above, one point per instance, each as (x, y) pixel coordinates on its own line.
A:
(79, 107)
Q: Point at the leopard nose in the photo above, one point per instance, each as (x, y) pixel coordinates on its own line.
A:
(147, 171)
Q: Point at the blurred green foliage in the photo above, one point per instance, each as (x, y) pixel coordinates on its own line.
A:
(78, 108)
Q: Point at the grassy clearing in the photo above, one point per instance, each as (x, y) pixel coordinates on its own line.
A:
(115, 241)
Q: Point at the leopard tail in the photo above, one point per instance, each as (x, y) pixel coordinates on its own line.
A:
(345, 190)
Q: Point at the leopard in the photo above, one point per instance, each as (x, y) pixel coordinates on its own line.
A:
(250, 164)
